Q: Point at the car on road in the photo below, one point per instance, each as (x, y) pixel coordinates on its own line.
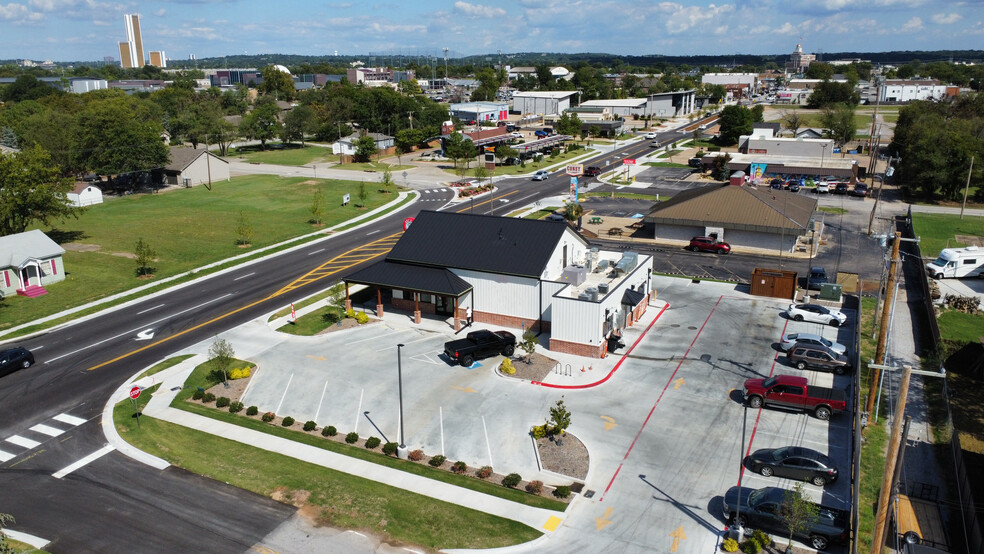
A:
(810, 339)
(592, 171)
(708, 244)
(860, 190)
(793, 462)
(480, 344)
(541, 175)
(816, 313)
(818, 358)
(654, 144)
(694, 162)
(760, 509)
(13, 359)
(650, 135)
(816, 278)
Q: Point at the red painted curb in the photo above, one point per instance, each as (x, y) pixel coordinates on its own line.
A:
(614, 369)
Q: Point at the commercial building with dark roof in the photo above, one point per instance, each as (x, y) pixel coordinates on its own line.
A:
(740, 215)
(517, 273)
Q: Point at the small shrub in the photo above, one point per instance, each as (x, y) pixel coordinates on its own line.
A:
(329, 431)
(199, 394)
(209, 397)
(351, 437)
(222, 402)
(310, 426)
(562, 491)
(287, 421)
(713, 148)
(331, 317)
(507, 367)
(350, 313)
(372, 443)
(235, 407)
(730, 545)
(539, 431)
(762, 537)
(361, 318)
(238, 373)
(268, 417)
(750, 546)
(511, 480)
(534, 487)
(252, 410)
(437, 461)
(484, 472)
(416, 455)
(390, 448)
(459, 467)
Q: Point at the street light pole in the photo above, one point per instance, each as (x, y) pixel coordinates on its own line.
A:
(401, 451)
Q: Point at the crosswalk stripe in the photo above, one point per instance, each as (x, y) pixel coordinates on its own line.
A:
(4, 456)
(47, 430)
(71, 420)
(83, 462)
(22, 441)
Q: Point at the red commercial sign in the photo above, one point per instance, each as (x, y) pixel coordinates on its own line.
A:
(135, 393)
(407, 222)
(628, 161)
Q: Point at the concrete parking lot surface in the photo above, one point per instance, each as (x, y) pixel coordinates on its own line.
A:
(664, 432)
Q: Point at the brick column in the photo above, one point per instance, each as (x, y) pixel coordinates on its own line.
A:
(416, 317)
(457, 324)
(379, 311)
(348, 304)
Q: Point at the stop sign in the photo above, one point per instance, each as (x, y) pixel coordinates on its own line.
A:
(135, 392)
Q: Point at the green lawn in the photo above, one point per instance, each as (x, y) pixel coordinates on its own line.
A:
(540, 214)
(875, 437)
(284, 154)
(667, 164)
(339, 499)
(937, 231)
(890, 117)
(634, 195)
(831, 210)
(311, 324)
(960, 327)
(187, 228)
(334, 291)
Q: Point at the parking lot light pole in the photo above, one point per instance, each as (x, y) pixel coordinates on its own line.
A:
(401, 451)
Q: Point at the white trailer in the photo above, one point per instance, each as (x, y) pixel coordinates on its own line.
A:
(958, 262)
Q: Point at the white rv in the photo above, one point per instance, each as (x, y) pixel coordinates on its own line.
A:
(958, 262)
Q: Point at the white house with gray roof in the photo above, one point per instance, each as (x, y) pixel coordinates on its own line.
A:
(28, 261)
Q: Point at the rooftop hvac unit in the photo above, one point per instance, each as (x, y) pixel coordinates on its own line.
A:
(574, 274)
(584, 296)
(592, 293)
(603, 288)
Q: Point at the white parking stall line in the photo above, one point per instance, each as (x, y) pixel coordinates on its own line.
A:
(321, 402)
(358, 412)
(4, 456)
(23, 441)
(84, 461)
(69, 419)
(440, 411)
(47, 430)
(277, 411)
(487, 445)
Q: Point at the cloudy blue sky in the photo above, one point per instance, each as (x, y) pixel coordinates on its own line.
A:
(65, 30)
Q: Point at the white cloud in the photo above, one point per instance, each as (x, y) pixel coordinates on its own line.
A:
(945, 18)
(160, 12)
(478, 10)
(914, 24)
(13, 11)
(681, 18)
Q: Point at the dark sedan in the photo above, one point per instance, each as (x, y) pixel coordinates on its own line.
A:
(759, 509)
(13, 359)
(794, 462)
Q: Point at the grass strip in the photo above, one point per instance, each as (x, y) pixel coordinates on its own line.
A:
(341, 500)
(161, 366)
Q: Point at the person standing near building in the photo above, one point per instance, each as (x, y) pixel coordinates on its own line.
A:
(468, 315)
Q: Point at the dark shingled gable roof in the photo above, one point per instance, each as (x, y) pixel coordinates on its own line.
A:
(485, 243)
(411, 277)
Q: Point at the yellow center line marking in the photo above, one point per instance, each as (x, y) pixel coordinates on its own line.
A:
(309, 277)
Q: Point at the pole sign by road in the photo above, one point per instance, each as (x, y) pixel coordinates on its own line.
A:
(575, 169)
(573, 189)
(628, 161)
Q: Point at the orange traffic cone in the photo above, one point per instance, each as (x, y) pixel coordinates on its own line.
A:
(582, 369)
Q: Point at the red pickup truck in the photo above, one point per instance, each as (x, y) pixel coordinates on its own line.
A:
(790, 391)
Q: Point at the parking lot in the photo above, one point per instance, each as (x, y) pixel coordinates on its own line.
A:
(664, 432)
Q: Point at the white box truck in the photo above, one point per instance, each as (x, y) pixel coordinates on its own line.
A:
(958, 262)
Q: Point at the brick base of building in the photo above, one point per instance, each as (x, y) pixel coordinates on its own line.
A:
(501, 320)
(578, 349)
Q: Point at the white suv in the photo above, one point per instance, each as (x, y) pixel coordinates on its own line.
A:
(541, 175)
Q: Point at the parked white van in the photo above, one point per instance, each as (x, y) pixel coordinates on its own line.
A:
(958, 262)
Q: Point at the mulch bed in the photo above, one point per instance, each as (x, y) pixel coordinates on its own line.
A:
(565, 455)
(537, 370)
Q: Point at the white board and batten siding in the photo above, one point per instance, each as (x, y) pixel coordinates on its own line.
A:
(503, 294)
(577, 253)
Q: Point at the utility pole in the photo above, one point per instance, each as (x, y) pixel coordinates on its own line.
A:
(889, 171)
(883, 326)
(967, 187)
(411, 120)
(881, 515)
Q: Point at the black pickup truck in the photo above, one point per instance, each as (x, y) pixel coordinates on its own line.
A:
(480, 344)
(759, 509)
